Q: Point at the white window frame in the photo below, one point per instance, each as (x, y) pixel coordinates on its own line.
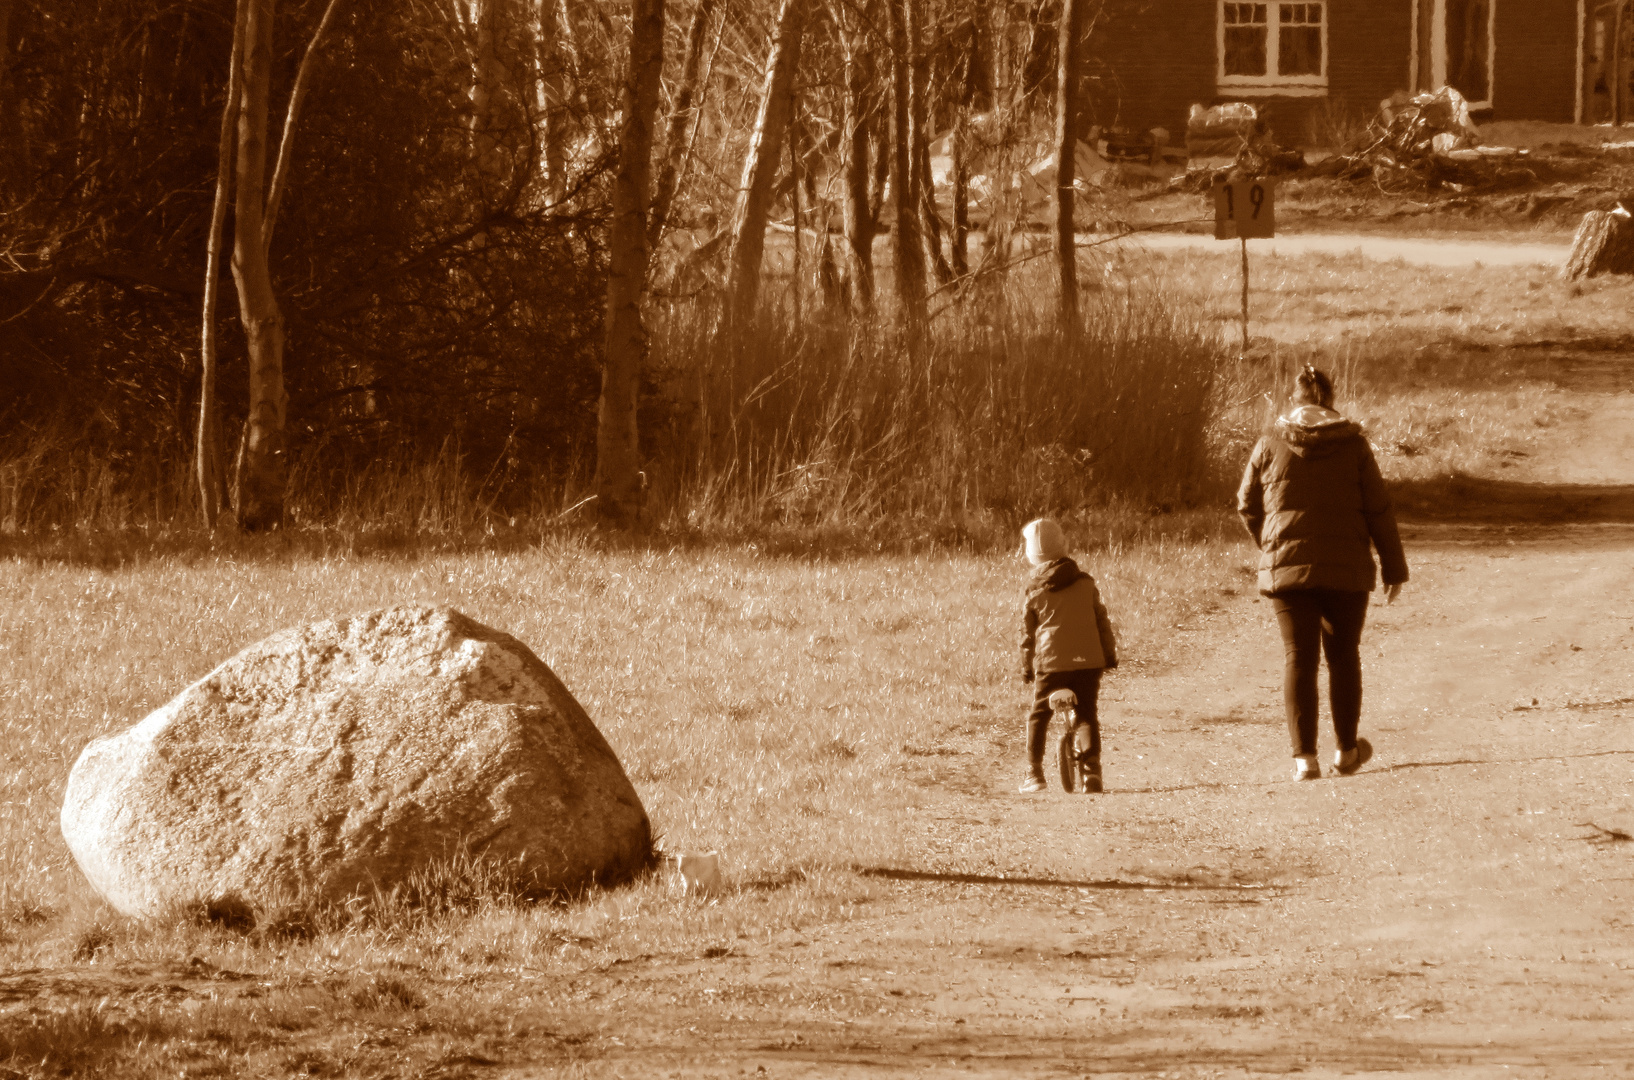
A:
(1438, 48)
(1268, 85)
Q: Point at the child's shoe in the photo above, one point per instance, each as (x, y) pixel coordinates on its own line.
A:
(1034, 782)
(1346, 762)
(1306, 768)
(1092, 776)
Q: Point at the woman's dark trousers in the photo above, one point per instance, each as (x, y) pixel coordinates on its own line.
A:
(1086, 683)
(1315, 622)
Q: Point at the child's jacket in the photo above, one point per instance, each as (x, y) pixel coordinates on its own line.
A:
(1064, 623)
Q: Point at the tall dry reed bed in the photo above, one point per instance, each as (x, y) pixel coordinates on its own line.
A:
(983, 419)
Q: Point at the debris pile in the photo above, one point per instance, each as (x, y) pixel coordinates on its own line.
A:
(1428, 141)
(1232, 140)
(1223, 131)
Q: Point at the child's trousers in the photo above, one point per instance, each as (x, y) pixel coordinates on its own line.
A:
(1086, 683)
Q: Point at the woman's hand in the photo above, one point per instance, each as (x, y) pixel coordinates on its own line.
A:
(1391, 592)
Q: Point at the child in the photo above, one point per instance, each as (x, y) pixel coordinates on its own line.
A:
(1066, 642)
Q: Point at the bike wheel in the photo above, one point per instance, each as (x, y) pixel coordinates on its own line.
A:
(1067, 758)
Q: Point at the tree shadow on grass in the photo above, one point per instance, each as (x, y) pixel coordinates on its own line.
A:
(1472, 500)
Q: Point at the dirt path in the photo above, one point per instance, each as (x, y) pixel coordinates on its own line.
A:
(1462, 907)
(1407, 249)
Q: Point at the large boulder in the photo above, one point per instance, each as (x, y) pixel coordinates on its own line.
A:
(343, 756)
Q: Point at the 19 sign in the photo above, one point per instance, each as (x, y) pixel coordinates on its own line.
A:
(1245, 210)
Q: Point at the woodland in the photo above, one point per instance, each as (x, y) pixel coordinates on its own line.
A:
(466, 264)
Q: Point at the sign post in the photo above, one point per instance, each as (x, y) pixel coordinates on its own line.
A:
(1243, 210)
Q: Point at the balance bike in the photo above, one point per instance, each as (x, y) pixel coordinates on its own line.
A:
(1079, 771)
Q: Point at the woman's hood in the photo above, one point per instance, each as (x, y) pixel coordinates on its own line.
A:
(1312, 429)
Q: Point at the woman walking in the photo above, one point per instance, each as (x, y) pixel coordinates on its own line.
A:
(1314, 502)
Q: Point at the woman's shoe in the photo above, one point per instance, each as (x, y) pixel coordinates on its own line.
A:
(1306, 768)
(1034, 782)
(1346, 762)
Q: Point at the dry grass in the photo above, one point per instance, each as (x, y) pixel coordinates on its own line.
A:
(777, 709)
(1450, 369)
(780, 708)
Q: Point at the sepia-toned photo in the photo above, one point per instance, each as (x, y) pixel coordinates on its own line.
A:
(816, 539)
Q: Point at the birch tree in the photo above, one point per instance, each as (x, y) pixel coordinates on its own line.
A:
(755, 190)
(265, 463)
(207, 446)
(618, 457)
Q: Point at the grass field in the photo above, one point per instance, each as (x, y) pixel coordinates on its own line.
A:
(783, 708)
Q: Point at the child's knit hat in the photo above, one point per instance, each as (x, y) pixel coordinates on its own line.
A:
(1045, 541)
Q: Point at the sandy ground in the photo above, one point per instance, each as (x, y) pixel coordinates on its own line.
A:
(1462, 907)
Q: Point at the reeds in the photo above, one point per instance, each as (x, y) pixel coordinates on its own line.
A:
(989, 416)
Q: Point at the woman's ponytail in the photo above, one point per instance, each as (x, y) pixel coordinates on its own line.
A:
(1313, 387)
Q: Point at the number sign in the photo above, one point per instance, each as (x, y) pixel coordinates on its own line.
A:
(1245, 209)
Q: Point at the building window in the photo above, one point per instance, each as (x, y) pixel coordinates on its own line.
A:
(1273, 48)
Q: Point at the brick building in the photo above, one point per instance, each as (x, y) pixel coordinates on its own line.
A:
(1310, 66)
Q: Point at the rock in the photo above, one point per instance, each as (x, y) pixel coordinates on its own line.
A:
(337, 758)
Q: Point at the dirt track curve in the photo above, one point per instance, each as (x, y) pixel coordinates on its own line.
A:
(1462, 907)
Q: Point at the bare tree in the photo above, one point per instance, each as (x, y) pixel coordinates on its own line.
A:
(961, 151)
(1066, 146)
(683, 123)
(618, 454)
(906, 247)
(755, 191)
(859, 207)
(265, 464)
(553, 40)
(496, 26)
(207, 448)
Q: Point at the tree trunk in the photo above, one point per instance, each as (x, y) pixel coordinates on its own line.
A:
(266, 465)
(207, 449)
(1066, 142)
(618, 452)
(932, 230)
(760, 166)
(919, 122)
(5, 65)
(297, 98)
(858, 212)
(553, 94)
(906, 245)
(495, 116)
(961, 160)
(1604, 244)
(1616, 80)
(683, 124)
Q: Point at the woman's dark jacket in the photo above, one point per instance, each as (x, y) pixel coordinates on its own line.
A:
(1313, 499)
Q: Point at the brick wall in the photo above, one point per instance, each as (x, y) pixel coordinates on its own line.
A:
(1535, 76)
